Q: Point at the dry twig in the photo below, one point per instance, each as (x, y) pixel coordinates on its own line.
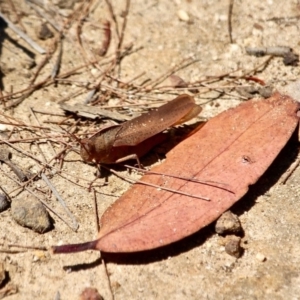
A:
(23, 35)
(75, 224)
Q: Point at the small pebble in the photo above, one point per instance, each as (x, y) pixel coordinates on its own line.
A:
(234, 49)
(265, 91)
(39, 256)
(291, 59)
(260, 257)
(228, 223)
(3, 127)
(233, 246)
(30, 213)
(43, 32)
(248, 92)
(115, 285)
(90, 294)
(183, 15)
(4, 203)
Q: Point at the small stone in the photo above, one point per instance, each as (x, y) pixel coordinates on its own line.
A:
(30, 213)
(258, 26)
(234, 49)
(291, 59)
(260, 257)
(4, 203)
(115, 285)
(3, 127)
(228, 223)
(233, 246)
(183, 15)
(90, 294)
(266, 91)
(43, 32)
(94, 71)
(39, 256)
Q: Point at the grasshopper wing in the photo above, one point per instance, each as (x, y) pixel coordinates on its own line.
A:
(139, 129)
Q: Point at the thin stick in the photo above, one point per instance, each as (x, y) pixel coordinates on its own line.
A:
(222, 91)
(38, 146)
(1, 97)
(28, 247)
(156, 186)
(96, 211)
(123, 25)
(56, 67)
(48, 80)
(113, 16)
(102, 259)
(41, 139)
(108, 278)
(17, 15)
(4, 157)
(73, 95)
(23, 35)
(48, 142)
(27, 94)
(53, 189)
(39, 68)
(24, 152)
(50, 113)
(205, 182)
(11, 252)
(45, 16)
(254, 70)
(6, 194)
(183, 64)
(230, 20)
(80, 185)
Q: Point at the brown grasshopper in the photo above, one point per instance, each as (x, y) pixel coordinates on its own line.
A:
(136, 137)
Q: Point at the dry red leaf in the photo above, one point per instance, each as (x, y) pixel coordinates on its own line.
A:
(235, 148)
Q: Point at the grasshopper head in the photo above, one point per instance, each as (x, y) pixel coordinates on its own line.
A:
(87, 150)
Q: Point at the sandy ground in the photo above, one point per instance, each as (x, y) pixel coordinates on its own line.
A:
(197, 267)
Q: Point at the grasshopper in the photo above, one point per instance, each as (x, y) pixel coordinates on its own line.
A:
(136, 137)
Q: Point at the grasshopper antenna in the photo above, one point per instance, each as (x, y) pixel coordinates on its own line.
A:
(75, 138)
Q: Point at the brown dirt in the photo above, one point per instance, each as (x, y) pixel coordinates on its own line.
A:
(198, 267)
